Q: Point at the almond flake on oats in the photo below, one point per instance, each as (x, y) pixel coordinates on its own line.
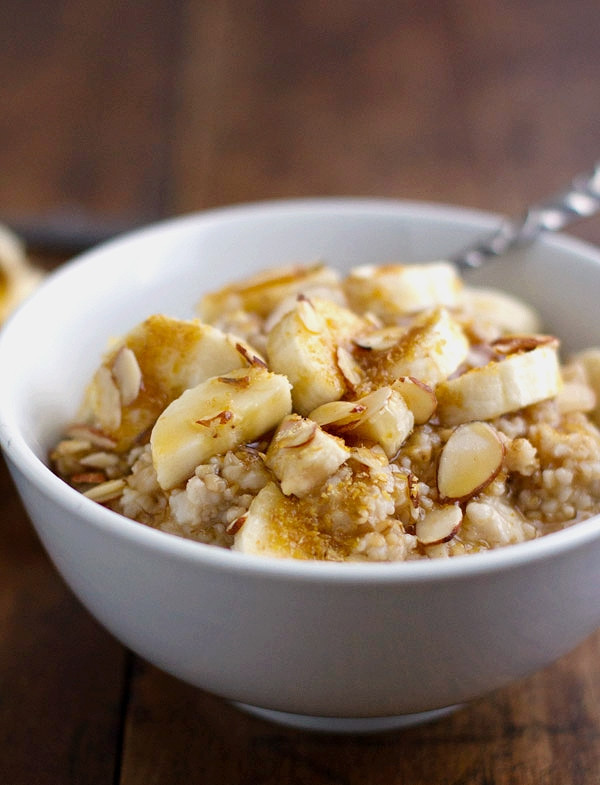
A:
(469, 461)
(106, 400)
(419, 397)
(309, 316)
(380, 340)
(511, 344)
(93, 435)
(439, 525)
(127, 374)
(349, 367)
(106, 491)
(72, 446)
(99, 460)
(236, 524)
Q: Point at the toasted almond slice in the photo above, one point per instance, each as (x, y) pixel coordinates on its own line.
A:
(469, 461)
(381, 417)
(419, 397)
(514, 344)
(439, 525)
(127, 374)
(339, 415)
(106, 400)
(308, 316)
(106, 491)
(90, 434)
(381, 340)
(349, 367)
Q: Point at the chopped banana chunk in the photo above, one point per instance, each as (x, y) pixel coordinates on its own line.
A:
(382, 417)
(500, 387)
(393, 290)
(430, 350)
(217, 415)
(151, 366)
(262, 292)
(18, 277)
(301, 346)
(272, 527)
(590, 360)
(507, 313)
(302, 456)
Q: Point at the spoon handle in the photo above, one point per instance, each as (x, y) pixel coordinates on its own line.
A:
(580, 200)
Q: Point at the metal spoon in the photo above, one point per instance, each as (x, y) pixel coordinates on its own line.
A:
(580, 200)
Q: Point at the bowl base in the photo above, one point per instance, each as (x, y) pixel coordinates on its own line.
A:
(346, 724)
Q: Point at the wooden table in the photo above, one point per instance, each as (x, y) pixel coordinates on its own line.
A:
(121, 113)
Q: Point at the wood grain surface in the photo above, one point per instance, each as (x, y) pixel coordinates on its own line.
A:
(115, 114)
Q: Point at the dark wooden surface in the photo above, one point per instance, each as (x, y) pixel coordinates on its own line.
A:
(121, 113)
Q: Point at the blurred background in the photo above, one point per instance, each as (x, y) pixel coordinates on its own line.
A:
(118, 113)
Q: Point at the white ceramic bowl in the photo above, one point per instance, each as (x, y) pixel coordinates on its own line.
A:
(323, 645)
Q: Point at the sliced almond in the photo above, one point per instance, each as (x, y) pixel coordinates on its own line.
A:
(89, 434)
(127, 374)
(439, 525)
(106, 400)
(338, 415)
(380, 340)
(349, 367)
(309, 316)
(106, 491)
(469, 461)
(513, 344)
(419, 397)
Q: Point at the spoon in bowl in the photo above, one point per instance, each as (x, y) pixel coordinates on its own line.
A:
(580, 200)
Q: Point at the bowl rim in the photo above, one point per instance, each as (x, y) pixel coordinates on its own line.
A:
(19, 453)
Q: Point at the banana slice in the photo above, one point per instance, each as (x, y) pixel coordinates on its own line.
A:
(500, 309)
(17, 277)
(151, 366)
(381, 417)
(301, 347)
(302, 456)
(393, 290)
(589, 359)
(217, 415)
(430, 350)
(520, 379)
(262, 292)
(274, 526)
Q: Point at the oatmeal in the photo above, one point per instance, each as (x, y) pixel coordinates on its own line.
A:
(390, 414)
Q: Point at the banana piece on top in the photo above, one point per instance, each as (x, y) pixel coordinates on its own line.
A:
(18, 277)
(150, 367)
(262, 292)
(304, 345)
(393, 290)
(219, 414)
(527, 371)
